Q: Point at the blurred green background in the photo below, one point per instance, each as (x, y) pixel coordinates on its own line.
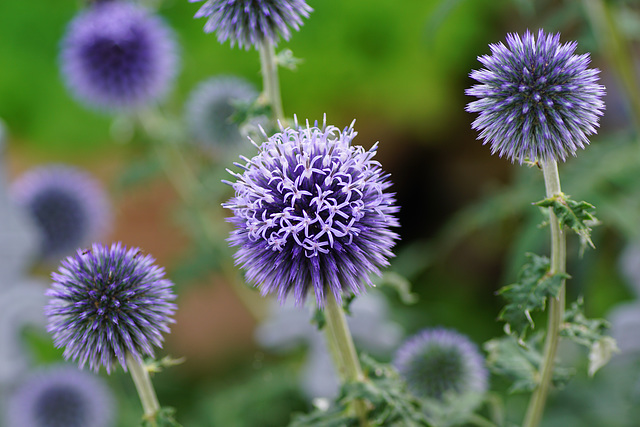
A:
(400, 68)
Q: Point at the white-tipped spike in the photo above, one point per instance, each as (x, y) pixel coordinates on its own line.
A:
(324, 121)
(353, 123)
(295, 120)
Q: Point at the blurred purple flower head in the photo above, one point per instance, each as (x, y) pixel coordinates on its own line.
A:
(310, 212)
(118, 56)
(210, 108)
(439, 362)
(537, 99)
(61, 397)
(106, 302)
(250, 22)
(68, 206)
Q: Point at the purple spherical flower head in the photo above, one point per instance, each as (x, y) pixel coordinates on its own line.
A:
(107, 302)
(118, 56)
(68, 206)
(537, 99)
(60, 397)
(310, 212)
(250, 22)
(210, 108)
(439, 362)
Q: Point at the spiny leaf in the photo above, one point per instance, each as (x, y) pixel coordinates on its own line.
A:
(400, 284)
(154, 366)
(578, 216)
(590, 333)
(529, 294)
(163, 418)
(520, 361)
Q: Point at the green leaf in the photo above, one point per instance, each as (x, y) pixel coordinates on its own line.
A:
(154, 366)
(285, 59)
(529, 294)
(386, 395)
(520, 362)
(590, 333)
(578, 216)
(400, 284)
(163, 418)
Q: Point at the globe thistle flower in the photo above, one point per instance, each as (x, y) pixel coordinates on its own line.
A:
(106, 302)
(250, 22)
(210, 108)
(68, 206)
(60, 397)
(437, 363)
(310, 212)
(118, 56)
(537, 99)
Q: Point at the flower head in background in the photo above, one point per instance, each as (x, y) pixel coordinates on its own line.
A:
(537, 99)
(118, 56)
(68, 206)
(437, 363)
(106, 302)
(310, 213)
(250, 22)
(61, 397)
(211, 106)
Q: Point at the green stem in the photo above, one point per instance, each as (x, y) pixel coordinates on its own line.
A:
(556, 305)
(343, 350)
(270, 82)
(145, 389)
(479, 421)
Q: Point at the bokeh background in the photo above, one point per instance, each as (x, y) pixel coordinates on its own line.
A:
(400, 69)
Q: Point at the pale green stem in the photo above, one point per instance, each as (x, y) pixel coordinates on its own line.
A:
(343, 350)
(556, 305)
(270, 82)
(479, 421)
(145, 389)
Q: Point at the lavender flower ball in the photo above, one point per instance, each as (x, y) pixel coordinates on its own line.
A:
(118, 56)
(437, 363)
(106, 302)
(251, 22)
(537, 99)
(210, 108)
(60, 397)
(310, 213)
(67, 205)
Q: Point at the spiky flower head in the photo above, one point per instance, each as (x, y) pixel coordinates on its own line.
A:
(250, 22)
(118, 56)
(439, 362)
(106, 302)
(67, 205)
(60, 397)
(310, 213)
(537, 99)
(211, 107)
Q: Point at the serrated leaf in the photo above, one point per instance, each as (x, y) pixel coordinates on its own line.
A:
(578, 216)
(400, 284)
(590, 333)
(163, 418)
(529, 294)
(520, 362)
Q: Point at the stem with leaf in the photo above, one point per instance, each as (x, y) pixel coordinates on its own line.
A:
(556, 305)
(144, 387)
(343, 350)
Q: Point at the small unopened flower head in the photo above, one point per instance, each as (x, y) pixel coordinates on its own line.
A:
(61, 397)
(68, 206)
(311, 213)
(211, 107)
(250, 22)
(538, 100)
(118, 56)
(106, 302)
(437, 363)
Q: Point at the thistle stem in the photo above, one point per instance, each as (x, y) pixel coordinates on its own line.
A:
(556, 305)
(270, 82)
(343, 350)
(145, 389)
